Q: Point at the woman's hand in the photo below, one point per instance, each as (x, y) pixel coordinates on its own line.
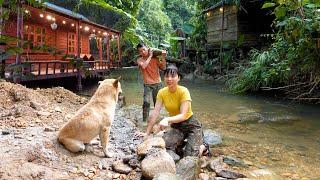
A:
(164, 123)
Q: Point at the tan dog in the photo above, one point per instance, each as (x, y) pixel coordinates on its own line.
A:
(94, 118)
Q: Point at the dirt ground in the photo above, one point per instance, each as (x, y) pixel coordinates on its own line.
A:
(29, 123)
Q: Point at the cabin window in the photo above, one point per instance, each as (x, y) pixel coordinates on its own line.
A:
(71, 43)
(33, 36)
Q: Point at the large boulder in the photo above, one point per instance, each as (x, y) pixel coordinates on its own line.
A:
(157, 161)
(211, 137)
(188, 168)
(154, 142)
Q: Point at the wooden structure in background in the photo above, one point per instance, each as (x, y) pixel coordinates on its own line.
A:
(235, 25)
(64, 30)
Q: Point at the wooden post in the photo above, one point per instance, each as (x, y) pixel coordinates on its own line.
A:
(78, 38)
(108, 48)
(17, 75)
(221, 42)
(100, 49)
(79, 63)
(78, 60)
(119, 50)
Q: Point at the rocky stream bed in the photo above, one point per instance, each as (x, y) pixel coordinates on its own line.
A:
(30, 120)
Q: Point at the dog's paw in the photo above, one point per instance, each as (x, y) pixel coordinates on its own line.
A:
(108, 154)
(88, 148)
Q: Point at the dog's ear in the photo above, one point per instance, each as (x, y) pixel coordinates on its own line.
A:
(119, 78)
(115, 83)
(99, 82)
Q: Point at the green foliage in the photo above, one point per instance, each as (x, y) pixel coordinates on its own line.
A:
(154, 23)
(293, 57)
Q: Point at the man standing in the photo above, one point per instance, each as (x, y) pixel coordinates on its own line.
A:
(149, 67)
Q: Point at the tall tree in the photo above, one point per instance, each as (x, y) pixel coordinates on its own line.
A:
(154, 22)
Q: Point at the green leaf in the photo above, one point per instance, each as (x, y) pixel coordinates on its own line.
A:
(177, 38)
(268, 5)
(280, 12)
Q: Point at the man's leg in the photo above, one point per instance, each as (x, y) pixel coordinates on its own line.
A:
(146, 102)
(155, 90)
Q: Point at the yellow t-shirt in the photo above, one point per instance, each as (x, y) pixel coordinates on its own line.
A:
(172, 101)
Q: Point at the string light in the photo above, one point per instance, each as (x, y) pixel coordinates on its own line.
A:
(86, 28)
(72, 24)
(41, 15)
(49, 17)
(64, 22)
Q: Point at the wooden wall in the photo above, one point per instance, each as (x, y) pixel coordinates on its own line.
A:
(54, 38)
(230, 27)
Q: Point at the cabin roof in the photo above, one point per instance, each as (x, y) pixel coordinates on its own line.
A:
(74, 15)
(64, 11)
(219, 4)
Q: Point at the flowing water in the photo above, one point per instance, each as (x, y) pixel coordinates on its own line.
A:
(279, 136)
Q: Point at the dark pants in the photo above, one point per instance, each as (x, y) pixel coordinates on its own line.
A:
(191, 131)
(149, 89)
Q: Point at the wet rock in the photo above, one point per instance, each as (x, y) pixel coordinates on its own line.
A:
(157, 161)
(166, 176)
(120, 167)
(155, 142)
(211, 137)
(173, 138)
(230, 174)
(249, 117)
(234, 162)
(217, 164)
(188, 168)
(174, 156)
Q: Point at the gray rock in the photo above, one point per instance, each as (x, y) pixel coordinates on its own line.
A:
(157, 161)
(155, 142)
(166, 176)
(217, 164)
(120, 167)
(234, 162)
(211, 137)
(230, 174)
(188, 168)
(174, 156)
(173, 138)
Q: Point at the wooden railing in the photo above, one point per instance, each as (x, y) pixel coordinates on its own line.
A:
(33, 70)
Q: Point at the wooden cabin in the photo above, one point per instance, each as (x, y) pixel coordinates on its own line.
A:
(236, 25)
(68, 32)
